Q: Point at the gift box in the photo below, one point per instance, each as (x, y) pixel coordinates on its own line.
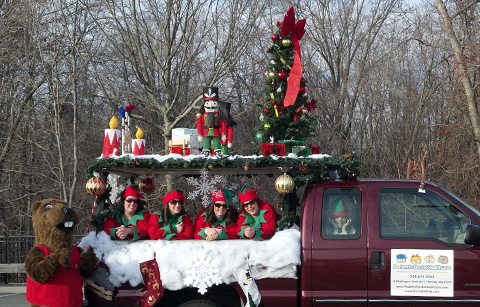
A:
(314, 150)
(189, 135)
(179, 147)
(273, 149)
(290, 143)
(303, 151)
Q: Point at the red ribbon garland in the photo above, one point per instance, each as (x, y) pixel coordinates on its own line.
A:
(294, 78)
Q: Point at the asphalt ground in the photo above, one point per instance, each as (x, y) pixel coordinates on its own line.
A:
(13, 296)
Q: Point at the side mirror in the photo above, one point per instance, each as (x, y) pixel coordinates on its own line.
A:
(472, 235)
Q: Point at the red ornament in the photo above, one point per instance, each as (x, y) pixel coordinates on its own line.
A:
(274, 37)
(147, 185)
(265, 111)
(281, 74)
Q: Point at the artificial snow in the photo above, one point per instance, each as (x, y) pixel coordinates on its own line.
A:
(198, 263)
(162, 158)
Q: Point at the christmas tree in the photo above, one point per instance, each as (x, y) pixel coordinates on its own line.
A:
(285, 110)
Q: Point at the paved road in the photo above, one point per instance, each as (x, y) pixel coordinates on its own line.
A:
(12, 296)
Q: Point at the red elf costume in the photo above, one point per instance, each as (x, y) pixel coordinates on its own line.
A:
(264, 223)
(226, 225)
(138, 223)
(162, 224)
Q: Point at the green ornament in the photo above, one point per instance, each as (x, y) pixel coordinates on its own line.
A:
(286, 42)
(259, 135)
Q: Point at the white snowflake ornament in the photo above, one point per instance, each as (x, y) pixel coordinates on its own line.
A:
(202, 271)
(205, 185)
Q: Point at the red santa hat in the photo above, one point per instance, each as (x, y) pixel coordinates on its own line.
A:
(175, 194)
(247, 194)
(340, 209)
(132, 191)
(222, 195)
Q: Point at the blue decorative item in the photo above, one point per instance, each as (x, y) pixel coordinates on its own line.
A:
(122, 112)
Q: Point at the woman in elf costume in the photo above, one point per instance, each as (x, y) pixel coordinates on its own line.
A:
(171, 222)
(258, 219)
(131, 222)
(219, 220)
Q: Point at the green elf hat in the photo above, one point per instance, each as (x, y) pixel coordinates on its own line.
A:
(222, 195)
(247, 194)
(340, 209)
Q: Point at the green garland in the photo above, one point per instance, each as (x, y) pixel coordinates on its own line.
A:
(305, 170)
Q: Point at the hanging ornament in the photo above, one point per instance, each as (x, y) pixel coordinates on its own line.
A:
(272, 62)
(281, 74)
(265, 111)
(284, 184)
(95, 186)
(271, 74)
(261, 117)
(279, 89)
(286, 42)
(285, 63)
(259, 136)
(274, 37)
(147, 185)
(246, 166)
(266, 126)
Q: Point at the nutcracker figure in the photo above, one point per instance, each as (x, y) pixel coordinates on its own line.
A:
(214, 125)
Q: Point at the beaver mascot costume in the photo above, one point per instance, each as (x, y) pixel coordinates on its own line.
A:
(55, 267)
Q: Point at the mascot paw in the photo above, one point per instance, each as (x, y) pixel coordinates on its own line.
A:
(88, 262)
(64, 254)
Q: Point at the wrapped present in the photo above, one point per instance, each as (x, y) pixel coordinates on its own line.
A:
(314, 149)
(189, 135)
(273, 149)
(301, 150)
(290, 143)
(179, 147)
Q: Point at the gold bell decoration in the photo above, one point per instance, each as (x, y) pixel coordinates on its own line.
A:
(95, 186)
(284, 184)
(147, 185)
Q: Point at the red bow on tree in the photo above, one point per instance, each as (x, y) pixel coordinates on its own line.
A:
(297, 30)
(130, 107)
(312, 105)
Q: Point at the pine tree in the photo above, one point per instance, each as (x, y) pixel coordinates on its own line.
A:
(277, 120)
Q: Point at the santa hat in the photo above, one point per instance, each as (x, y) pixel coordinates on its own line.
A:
(340, 209)
(132, 191)
(222, 195)
(210, 93)
(247, 194)
(175, 194)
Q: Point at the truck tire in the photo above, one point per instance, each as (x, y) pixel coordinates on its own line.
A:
(200, 303)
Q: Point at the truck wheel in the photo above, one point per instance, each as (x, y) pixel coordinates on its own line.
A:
(200, 303)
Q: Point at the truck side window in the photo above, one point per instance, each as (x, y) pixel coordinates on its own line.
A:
(341, 214)
(406, 213)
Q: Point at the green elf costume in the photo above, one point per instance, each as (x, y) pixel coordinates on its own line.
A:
(264, 223)
(162, 224)
(139, 222)
(226, 231)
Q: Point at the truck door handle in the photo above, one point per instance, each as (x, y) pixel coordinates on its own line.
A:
(378, 260)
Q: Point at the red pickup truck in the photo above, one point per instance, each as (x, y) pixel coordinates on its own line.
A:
(406, 246)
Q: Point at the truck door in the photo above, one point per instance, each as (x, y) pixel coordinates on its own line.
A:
(417, 255)
(336, 273)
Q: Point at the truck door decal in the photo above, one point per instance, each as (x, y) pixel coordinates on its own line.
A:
(422, 272)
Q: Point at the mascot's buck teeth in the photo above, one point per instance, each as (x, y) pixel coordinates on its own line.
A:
(68, 224)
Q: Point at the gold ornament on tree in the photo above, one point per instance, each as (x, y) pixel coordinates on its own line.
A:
(284, 184)
(95, 186)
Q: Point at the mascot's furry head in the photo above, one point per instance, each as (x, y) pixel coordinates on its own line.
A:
(53, 222)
